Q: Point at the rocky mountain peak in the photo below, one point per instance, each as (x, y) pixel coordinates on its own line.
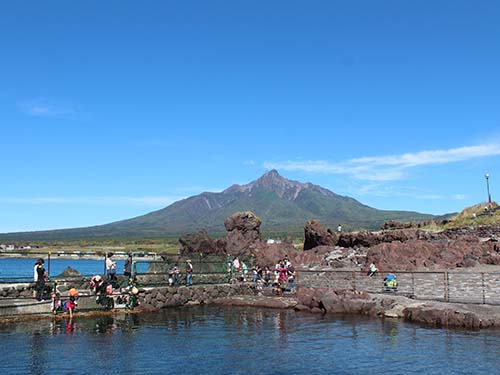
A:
(272, 181)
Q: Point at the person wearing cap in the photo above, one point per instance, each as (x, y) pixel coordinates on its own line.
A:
(71, 304)
(189, 272)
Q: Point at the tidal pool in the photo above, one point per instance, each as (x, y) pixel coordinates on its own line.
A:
(216, 340)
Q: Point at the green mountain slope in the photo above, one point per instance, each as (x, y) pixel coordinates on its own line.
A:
(283, 205)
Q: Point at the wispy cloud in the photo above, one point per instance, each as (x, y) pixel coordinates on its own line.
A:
(46, 108)
(155, 201)
(388, 167)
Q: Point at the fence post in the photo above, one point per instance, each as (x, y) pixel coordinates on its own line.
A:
(48, 268)
(446, 287)
(484, 291)
(354, 280)
(413, 285)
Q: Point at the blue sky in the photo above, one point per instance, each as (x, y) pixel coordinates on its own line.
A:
(109, 110)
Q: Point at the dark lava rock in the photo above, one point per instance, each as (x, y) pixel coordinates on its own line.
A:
(243, 232)
(201, 242)
(70, 272)
(315, 235)
(413, 254)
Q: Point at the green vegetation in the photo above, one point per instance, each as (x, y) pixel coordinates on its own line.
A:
(479, 214)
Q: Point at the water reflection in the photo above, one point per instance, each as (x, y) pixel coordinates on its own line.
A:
(240, 340)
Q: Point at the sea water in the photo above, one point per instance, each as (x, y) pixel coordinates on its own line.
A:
(223, 340)
(22, 268)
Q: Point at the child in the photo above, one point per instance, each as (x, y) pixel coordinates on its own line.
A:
(55, 306)
(70, 306)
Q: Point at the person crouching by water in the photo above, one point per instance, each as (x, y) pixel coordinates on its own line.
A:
(372, 270)
(39, 277)
(189, 272)
(70, 305)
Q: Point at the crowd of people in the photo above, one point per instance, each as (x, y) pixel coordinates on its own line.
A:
(104, 288)
(281, 278)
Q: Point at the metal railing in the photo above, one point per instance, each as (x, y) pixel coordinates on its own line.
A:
(446, 286)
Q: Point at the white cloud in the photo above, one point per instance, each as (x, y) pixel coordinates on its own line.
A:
(104, 201)
(388, 167)
(44, 108)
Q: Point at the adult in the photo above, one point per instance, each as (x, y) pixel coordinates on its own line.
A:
(372, 270)
(189, 272)
(177, 272)
(110, 268)
(39, 277)
(127, 269)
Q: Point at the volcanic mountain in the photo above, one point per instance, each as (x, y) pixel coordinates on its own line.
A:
(283, 205)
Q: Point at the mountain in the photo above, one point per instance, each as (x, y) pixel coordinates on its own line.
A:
(283, 205)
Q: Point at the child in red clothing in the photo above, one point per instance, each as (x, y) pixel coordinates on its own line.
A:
(70, 305)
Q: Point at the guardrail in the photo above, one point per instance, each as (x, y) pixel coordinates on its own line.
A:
(446, 286)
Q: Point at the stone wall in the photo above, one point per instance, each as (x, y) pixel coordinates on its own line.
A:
(163, 297)
(18, 290)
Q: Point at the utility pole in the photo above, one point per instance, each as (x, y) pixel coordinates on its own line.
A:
(487, 176)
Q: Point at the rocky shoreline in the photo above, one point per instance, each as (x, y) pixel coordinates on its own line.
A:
(316, 301)
(438, 314)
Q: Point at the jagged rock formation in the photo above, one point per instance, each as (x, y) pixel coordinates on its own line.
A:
(201, 242)
(315, 235)
(70, 272)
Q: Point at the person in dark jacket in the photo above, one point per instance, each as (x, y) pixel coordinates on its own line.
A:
(40, 276)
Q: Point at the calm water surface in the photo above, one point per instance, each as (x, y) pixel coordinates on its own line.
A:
(23, 267)
(213, 340)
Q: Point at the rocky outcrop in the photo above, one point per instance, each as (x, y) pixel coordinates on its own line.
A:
(439, 314)
(243, 235)
(70, 272)
(417, 254)
(315, 235)
(201, 242)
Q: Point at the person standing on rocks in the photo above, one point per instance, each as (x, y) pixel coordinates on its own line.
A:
(110, 268)
(189, 272)
(127, 269)
(39, 276)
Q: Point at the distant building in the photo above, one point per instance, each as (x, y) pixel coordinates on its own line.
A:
(270, 241)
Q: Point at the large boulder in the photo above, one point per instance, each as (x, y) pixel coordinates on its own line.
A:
(315, 235)
(243, 233)
(245, 222)
(201, 242)
(70, 272)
